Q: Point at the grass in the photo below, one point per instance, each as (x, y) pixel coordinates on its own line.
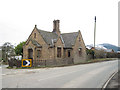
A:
(9, 67)
(100, 60)
(86, 62)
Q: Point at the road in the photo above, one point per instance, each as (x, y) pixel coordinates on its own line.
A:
(92, 75)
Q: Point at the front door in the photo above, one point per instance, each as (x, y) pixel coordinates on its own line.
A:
(68, 53)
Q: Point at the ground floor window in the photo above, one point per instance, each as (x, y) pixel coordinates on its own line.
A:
(58, 52)
(30, 53)
(38, 53)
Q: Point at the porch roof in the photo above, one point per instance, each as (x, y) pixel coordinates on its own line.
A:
(34, 42)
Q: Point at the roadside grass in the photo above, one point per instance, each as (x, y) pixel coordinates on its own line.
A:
(9, 67)
(81, 63)
(100, 60)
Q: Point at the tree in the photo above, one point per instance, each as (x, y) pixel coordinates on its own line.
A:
(90, 53)
(19, 48)
(7, 51)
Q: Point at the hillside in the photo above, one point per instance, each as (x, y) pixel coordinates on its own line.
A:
(105, 46)
(110, 46)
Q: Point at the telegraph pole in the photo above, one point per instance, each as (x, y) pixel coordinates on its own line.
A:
(94, 36)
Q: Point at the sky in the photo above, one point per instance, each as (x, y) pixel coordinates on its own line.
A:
(18, 18)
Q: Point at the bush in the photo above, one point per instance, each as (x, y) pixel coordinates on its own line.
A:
(111, 55)
(100, 54)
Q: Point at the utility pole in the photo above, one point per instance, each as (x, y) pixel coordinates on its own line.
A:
(94, 36)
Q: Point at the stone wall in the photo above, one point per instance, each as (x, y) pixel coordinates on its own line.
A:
(79, 57)
(66, 61)
(45, 50)
(43, 63)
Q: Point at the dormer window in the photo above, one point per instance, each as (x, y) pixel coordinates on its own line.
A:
(34, 35)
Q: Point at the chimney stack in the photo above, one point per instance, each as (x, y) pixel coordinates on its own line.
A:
(56, 26)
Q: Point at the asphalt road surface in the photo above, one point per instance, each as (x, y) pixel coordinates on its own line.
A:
(78, 76)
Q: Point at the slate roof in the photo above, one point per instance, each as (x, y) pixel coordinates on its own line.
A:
(67, 38)
(48, 36)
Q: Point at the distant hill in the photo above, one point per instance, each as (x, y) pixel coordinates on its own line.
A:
(110, 46)
(105, 46)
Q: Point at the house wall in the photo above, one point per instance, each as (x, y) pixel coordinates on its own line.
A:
(25, 50)
(51, 53)
(59, 44)
(46, 52)
(78, 58)
(66, 53)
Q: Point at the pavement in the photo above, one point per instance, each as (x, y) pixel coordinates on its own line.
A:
(114, 82)
(92, 75)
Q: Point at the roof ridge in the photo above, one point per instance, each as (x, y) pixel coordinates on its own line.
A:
(69, 33)
(44, 31)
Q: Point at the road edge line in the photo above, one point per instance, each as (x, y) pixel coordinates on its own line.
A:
(106, 83)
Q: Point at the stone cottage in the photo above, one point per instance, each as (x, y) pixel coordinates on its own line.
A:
(44, 45)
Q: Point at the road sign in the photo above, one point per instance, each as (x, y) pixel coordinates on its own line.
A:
(26, 62)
